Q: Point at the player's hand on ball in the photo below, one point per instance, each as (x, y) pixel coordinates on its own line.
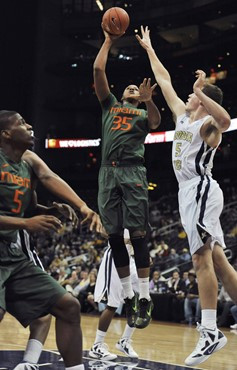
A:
(145, 40)
(110, 36)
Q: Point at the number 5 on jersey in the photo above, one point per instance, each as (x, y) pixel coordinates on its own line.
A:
(18, 201)
(121, 123)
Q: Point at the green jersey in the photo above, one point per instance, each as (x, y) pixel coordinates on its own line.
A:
(15, 191)
(124, 128)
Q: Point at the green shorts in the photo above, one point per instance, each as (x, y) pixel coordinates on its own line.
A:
(26, 291)
(123, 198)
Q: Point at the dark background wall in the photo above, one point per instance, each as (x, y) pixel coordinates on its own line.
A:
(47, 51)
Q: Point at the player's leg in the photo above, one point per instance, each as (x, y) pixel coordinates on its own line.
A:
(125, 342)
(68, 331)
(43, 294)
(211, 339)
(121, 261)
(207, 281)
(99, 349)
(135, 216)
(200, 207)
(109, 203)
(142, 260)
(225, 272)
(39, 329)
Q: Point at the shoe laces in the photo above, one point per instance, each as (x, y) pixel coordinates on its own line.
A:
(203, 336)
(104, 348)
(127, 342)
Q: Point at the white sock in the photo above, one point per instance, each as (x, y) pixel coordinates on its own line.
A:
(127, 287)
(77, 367)
(144, 288)
(128, 332)
(100, 336)
(33, 351)
(209, 319)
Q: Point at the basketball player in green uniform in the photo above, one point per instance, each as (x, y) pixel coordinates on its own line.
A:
(39, 328)
(123, 188)
(25, 290)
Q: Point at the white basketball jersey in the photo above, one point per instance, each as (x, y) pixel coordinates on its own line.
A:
(191, 156)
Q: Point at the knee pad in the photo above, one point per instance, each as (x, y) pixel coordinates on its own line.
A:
(119, 250)
(141, 253)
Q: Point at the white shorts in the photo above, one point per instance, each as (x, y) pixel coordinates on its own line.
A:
(24, 242)
(200, 206)
(108, 285)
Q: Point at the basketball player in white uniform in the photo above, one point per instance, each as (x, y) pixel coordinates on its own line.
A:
(199, 126)
(108, 286)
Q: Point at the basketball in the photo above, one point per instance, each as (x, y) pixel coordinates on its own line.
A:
(115, 21)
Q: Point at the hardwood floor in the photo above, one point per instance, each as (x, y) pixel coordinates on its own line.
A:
(162, 342)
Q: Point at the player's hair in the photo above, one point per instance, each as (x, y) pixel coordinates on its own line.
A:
(213, 92)
(5, 116)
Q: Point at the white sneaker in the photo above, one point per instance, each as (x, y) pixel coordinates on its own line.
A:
(100, 350)
(124, 345)
(26, 366)
(233, 326)
(210, 341)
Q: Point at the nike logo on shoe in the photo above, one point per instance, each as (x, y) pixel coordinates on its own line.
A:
(211, 349)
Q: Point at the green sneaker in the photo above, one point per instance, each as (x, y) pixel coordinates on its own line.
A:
(131, 308)
(144, 313)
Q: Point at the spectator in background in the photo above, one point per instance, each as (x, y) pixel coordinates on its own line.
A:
(71, 282)
(173, 259)
(224, 304)
(185, 277)
(156, 279)
(86, 296)
(178, 288)
(162, 249)
(62, 276)
(185, 256)
(175, 283)
(63, 261)
(55, 263)
(84, 281)
(191, 302)
(233, 311)
(153, 251)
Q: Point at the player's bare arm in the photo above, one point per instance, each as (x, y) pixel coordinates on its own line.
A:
(32, 224)
(60, 188)
(57, 210)
(161, 74)
(220, 119)
(100, 80)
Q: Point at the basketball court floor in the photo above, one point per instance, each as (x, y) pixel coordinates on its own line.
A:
(160, 346)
